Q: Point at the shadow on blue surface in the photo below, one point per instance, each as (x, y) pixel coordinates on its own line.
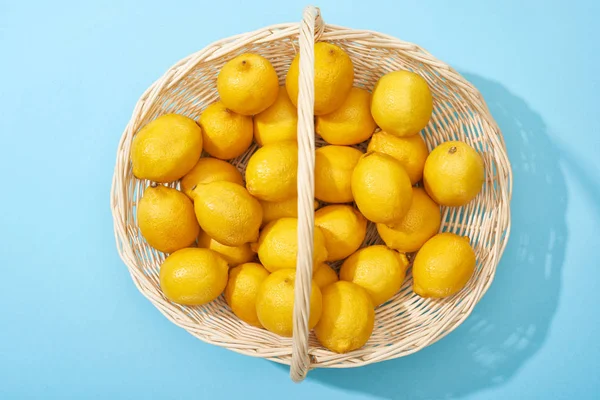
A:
(511, 322)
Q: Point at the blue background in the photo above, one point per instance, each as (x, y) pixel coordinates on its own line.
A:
(72, 324)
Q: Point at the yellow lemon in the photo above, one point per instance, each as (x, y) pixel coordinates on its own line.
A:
(277, 245)
(278, 123)
(166, 219)
(248, 84)
(166, 149)
(454, 174)
(242, 289)
(227, 212)
(273, 210)
(443, 266)
(334, 76)
(333, 173)
(378, 269)
(420, 223)
(234, 255)
(347, 319)
(226, 134)
(209, 170)
(324, 276)
(410, 151)
(352, 123)
(193, 276)
(402, 103)
(272, 170)
(344, 229)
(381, 188)
(275, 302)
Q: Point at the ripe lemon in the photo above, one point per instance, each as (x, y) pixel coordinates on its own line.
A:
(278, 123)
(334, 76)
(348, 317)
(234, 255)
(226, 134)
(248, 84)
(410, 151)
(443, 266)
(453, 174)
(275, 302)
(352, 123)
(402, 103)
(344, 229)
(277, 245)
(378, 269)
(381, 188)
(333, 173)
(242, 289)
(273, 210)
(420, 223)
(166, 219)
(272, 170)
(324, 276)
(193, 276)
(166, 149)
(209, 170)
(227, 212)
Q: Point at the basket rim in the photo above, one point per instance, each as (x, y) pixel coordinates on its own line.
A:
(221, 47)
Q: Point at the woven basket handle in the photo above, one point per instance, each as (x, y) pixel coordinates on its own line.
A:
(306, 191)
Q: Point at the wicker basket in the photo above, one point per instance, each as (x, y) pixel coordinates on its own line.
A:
(405, 324)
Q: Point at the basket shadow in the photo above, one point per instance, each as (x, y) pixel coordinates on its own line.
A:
(511, 322)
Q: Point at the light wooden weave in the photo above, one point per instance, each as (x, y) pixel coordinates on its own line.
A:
(405, 324)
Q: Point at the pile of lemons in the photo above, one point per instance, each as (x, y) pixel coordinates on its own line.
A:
(233, 234)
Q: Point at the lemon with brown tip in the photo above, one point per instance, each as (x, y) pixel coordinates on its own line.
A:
(226, 134)
(208, 170)
(381, 188)
(277, 245)
(275, 303)
(344, 229)
(347, 319)
(410, 151)
(333, 173)
(454, 174)
(278, 123)
(248, 84)
(166, 149)
(443, 266)
(166, 219)
(334, 76)
(351, 123)
(420, 223)
(193, 276)
(242, 289)
(234, 255)
(271, 173)
(402, 103)
(378, 269)
(227, 212)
